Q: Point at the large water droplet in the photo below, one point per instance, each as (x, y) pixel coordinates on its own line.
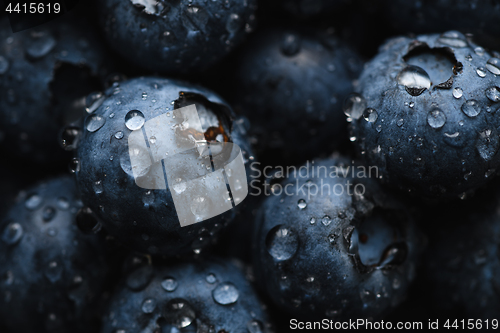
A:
(179, 313)
(414, 79)
(493, 65)
(53, 271)
(12, 233)
(493, 94)
(480, 72)
(40, 45)
(457, 92)
(282, 243)
(225, 293)
(354, 106)
(134, 120)
(33, 202)
(471, 108)
(453, 38)
(487, 143)
(4, 65)
(149, 305)
(290, 44)
(94, 122)
(169, 284)
(140, 278)
(370, 115)
(436, 118)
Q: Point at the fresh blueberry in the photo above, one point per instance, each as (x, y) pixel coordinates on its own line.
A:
(291, 86)
(426, 115)
(329, 243)
(209, 295)
(146, 219)
(42, 71)
(180, 36)
(476, 17)
(462, 262)
(51, 273)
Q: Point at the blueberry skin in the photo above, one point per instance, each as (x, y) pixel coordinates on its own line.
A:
(176, 37)
(336, 256)
(429, 16)
(462, 262)
(42, 71)
(291, 87)
(144, 219)
(209, 295)
(51, 272)
(431, 131)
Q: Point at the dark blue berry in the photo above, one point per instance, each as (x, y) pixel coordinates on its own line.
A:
(426, 115)
(335, 245)
(208, 295)
(51, 273)
(42, 72)
(146, 219)
(181, 36)
(291, 87)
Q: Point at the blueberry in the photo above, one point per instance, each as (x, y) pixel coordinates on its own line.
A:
(462, 262)
(50, 272)
(176, 37)
(426, 115)
(291, 87)
(146, 219)
(329, 243)
(42, 71)
(208, 295)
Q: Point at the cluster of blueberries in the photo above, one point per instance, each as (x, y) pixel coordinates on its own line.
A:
(391, 209)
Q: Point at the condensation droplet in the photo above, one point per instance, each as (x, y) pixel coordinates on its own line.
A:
(414, 79)
(493, 65)
(453, 38)
(34, 201)
(225, 293)
(301, 204)
(12, 233)
(480, 72)
(487, 143)
(149, 305)
(436, 118)
(370, 115)
(169, 284)
(134, 120)
(94, 122)
(282, 243)
(471, 108)
(457, 92)
(493, 94)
